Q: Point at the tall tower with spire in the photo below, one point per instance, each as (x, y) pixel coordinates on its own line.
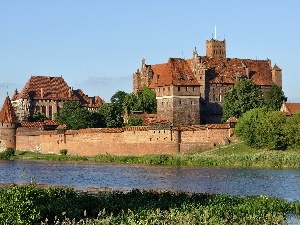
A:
(8, 125)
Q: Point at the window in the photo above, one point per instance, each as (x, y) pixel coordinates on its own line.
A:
(186, 88)
(178, 88)
(50, 112)
(44, 110)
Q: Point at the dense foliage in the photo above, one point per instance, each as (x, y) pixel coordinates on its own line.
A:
(37, 117)
(135, 121)
(74, 115)
(29, 204)
(7, 153)
(244, 95)
(263, 128)
(111, 114)
(274, 98)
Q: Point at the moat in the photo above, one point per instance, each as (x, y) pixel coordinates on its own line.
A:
(83, 175)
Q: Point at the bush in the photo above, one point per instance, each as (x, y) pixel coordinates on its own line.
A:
(63, 151)
(7, 154)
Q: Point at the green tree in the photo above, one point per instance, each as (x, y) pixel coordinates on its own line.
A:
(111, 115)
(274, 98)
(96, 119)
(130, 102)
(37, 117)
(262, 128)
(118, 97)
(146, 100)
(245, 95)
(74, 115)
(135, 121)
(292, 131)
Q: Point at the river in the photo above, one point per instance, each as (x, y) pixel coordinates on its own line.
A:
(83, 175)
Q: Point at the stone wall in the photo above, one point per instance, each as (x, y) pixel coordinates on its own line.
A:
(135, 141)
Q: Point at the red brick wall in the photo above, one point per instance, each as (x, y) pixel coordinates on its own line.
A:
(121, 143)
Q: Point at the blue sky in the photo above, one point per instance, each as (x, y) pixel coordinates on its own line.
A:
(96, 45)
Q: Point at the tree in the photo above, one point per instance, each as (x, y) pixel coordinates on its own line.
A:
(37, 117)
(118, 97)
(292, 131)
(130, 102)
(111, 115)
(245, 95)
(274, 98)
(74, 115)
(262, 128)
(135, 121)
(146, 100)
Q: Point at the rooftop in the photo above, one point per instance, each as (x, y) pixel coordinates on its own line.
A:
(54, 88)
(7, 113)
(175, 72)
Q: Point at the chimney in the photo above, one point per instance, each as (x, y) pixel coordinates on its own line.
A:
(247, 72)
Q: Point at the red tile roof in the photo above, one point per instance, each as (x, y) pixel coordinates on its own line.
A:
(54, 88)
(7, 113)
(39, 124)
(175, 72)
(227, 70)
(292, 108)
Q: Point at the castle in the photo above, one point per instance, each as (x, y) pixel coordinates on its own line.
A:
(191, 91)
(50, 137)
(46, 95)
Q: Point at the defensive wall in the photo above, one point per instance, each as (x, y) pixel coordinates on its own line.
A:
(123, 141)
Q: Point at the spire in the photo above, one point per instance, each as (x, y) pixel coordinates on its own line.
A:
(7, 113)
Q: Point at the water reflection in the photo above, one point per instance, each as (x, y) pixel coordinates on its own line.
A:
(277, 183)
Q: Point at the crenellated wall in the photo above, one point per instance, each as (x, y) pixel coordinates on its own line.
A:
(128, 141)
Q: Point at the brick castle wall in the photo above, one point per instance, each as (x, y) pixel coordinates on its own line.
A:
(91, 142)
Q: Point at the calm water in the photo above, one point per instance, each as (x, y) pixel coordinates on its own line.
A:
(278, 183)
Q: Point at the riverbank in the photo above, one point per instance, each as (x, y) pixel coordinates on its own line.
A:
(237, 155)
(30, 204)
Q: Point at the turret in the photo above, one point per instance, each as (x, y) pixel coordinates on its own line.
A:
(277, 75)
(216, 48)
(8, 125)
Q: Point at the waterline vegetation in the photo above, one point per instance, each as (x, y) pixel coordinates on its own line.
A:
(30, 204)
(234, 155)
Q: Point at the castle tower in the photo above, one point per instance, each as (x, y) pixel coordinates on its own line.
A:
(216, 48)
(8, 125)
(199, 69)
(277, 75)
(143, 77)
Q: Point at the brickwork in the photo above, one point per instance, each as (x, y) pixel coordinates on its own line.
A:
(214, 75)
(46, 95)
(141, 141)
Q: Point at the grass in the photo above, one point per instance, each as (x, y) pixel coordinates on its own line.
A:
(234, 155)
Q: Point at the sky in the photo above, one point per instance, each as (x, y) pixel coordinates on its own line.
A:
(96, 45)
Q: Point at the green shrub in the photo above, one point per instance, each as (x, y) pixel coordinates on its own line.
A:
(7, 154)
(63, 151)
